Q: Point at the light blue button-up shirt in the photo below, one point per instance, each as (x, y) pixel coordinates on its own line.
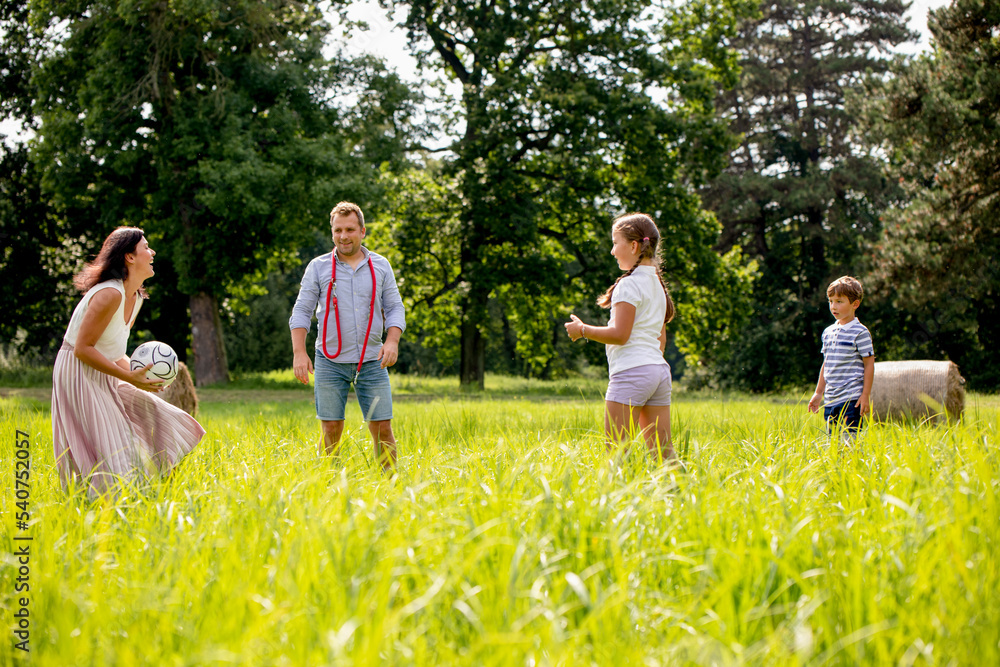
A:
(354, 295)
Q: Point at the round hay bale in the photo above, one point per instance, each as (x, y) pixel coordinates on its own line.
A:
(917, 389)
(181, 392)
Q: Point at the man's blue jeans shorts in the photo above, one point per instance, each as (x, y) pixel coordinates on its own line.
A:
(848, 414)
(333, 381)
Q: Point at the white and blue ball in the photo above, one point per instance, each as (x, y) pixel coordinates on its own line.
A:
(163, 358)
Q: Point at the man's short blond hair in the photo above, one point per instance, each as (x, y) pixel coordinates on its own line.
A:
(346, 208)
(846, 286)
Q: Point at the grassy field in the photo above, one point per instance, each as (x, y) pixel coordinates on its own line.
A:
(510, 538)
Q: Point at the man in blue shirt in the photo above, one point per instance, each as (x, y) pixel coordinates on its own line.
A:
(353, 293)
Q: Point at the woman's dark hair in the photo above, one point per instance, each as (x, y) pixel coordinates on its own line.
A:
(110, 262)
(640, 227)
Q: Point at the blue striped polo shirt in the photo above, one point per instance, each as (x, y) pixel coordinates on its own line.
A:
(844, 345)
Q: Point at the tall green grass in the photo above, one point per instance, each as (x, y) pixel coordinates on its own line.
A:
(510, 537)
(18, 374)
(495, 386)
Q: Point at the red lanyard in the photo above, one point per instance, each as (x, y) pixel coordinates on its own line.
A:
(331, 295)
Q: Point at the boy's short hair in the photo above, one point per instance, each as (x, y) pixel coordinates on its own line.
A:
(346, 208)
(846, 286)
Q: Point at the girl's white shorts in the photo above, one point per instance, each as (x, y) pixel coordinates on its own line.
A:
(641, 385)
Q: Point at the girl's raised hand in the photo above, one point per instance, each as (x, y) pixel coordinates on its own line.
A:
(574, 328)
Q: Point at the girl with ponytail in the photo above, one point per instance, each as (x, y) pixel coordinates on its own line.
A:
(640, 383)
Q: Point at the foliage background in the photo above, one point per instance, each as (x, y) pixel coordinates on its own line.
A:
(769, 180)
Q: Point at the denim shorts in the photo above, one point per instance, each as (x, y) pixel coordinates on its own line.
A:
(641, 385)
(333, 381)
(848, 414)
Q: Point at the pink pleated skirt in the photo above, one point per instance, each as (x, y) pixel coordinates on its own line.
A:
(105, 430)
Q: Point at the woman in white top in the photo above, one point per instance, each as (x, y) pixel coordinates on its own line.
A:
(106, 422)
(640, 303)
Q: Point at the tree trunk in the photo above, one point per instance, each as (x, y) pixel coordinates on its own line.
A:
(473, 363)
(472, 367)
(210, 365)
(817, 249)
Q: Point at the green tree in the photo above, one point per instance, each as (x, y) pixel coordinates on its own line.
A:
(256, 322)
(801, 194)
(18, 51)
(214, 125)
(33, 241)
(568, 112)
(935, 265)
(420, 239)
(34, 251)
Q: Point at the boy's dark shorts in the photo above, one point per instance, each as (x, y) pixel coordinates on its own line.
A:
(848, 414)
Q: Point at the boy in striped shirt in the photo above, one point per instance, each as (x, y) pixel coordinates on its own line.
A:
(845, 380)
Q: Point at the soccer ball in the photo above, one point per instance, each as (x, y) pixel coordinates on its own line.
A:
(163, 358)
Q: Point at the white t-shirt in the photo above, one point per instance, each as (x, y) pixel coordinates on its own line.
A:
(114, 341)
(643, 290)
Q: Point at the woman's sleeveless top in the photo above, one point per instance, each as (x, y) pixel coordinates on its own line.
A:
(114, 341)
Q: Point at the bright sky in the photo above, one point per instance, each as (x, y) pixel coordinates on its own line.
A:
(383, 38)
(918, 21)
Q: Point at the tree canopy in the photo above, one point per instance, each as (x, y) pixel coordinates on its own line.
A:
(213, 126)
(801, 195)
(33, 241)
(936, 265)
(778, 146)
(568, 113)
